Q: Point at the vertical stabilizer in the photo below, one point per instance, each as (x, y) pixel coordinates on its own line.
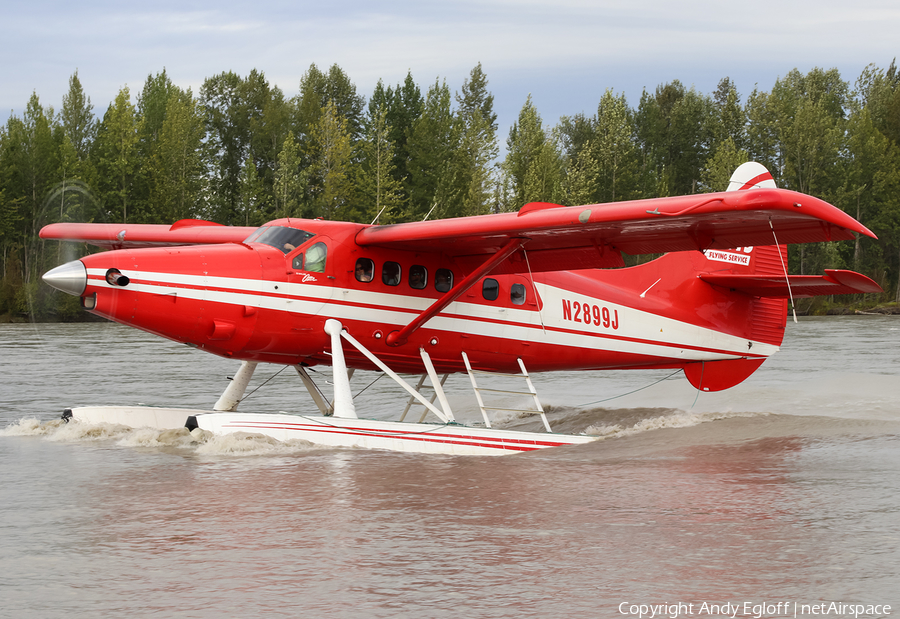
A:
(767, 316)
(751, 175)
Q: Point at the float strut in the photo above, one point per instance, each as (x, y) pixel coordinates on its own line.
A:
(318, 397)
(343, 397)
(231, 397)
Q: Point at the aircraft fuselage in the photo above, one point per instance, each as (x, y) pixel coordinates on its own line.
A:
(268, 301)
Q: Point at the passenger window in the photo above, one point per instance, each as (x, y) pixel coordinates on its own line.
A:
(390, 273)
(315, 258)
(297, 262)
(443, 280)
(418, 276)
(365, 268)
(517, 294)
(490, 289)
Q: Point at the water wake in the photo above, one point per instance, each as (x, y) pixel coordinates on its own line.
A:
(617, 422)
(197, 441)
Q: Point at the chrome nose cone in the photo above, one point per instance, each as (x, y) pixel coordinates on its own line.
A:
(70, 277)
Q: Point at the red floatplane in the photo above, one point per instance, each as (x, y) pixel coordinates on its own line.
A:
(542, 289)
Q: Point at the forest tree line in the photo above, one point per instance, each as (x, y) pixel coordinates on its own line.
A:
(239, 152)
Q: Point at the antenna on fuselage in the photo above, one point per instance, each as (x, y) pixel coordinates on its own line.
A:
(427, 215)
(378, 215)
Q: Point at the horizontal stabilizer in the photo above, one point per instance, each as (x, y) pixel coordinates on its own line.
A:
(834, 281)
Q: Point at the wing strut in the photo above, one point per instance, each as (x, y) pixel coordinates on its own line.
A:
(397, 338)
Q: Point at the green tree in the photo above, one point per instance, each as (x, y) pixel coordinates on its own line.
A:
(117, 156)
(76, 178)
(317, 89)
(252, 196)
(269, 117)
(809, 125)
(290, 180)
(475, 99)
(674, 129)
(719, 168)
(762, 133)
(809, 119)
(614, 149)
(533, 166)
(381, 194)
(28, 168)
(406, 107)
(403, 105)
(227, 121)
(730, 119)
(77, 118)
(72, 197)
(650, 128)
(523, 152)
(576, 136)
(433, 143)
(477, 147)
(150, 110)
(177, 165)
(579, 183)
(332, 162)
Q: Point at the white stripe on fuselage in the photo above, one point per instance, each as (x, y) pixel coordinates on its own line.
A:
(656, 335)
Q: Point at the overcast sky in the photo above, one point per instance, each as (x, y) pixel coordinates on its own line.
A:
(565, 52)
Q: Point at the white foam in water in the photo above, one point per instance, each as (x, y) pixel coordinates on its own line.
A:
(29, 426)
(200, 441)
(60, 431)
(71, 432)
(151, 437)
(247, 444)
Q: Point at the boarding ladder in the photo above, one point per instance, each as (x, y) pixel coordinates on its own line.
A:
(537, 410)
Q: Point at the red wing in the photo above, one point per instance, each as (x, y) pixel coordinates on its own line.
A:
(120, 236)
(594, 235)
(833, 282)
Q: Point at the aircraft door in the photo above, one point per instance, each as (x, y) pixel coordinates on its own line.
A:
(311, 275)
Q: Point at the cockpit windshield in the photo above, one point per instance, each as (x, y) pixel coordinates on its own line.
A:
(279, 237)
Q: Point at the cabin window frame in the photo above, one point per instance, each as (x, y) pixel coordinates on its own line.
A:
(420, 270)
(489, 283)
(439, 283)
(520, 288)
(386, 278)
(361, 274)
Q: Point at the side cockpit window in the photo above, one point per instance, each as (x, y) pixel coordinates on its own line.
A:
(284, 239)
(315, 258)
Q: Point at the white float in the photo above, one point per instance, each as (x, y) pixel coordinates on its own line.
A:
(339, 425)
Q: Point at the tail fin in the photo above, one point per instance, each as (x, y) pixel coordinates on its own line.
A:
(766, 317)
(741, 292)
(751, 175)
(760, 275)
